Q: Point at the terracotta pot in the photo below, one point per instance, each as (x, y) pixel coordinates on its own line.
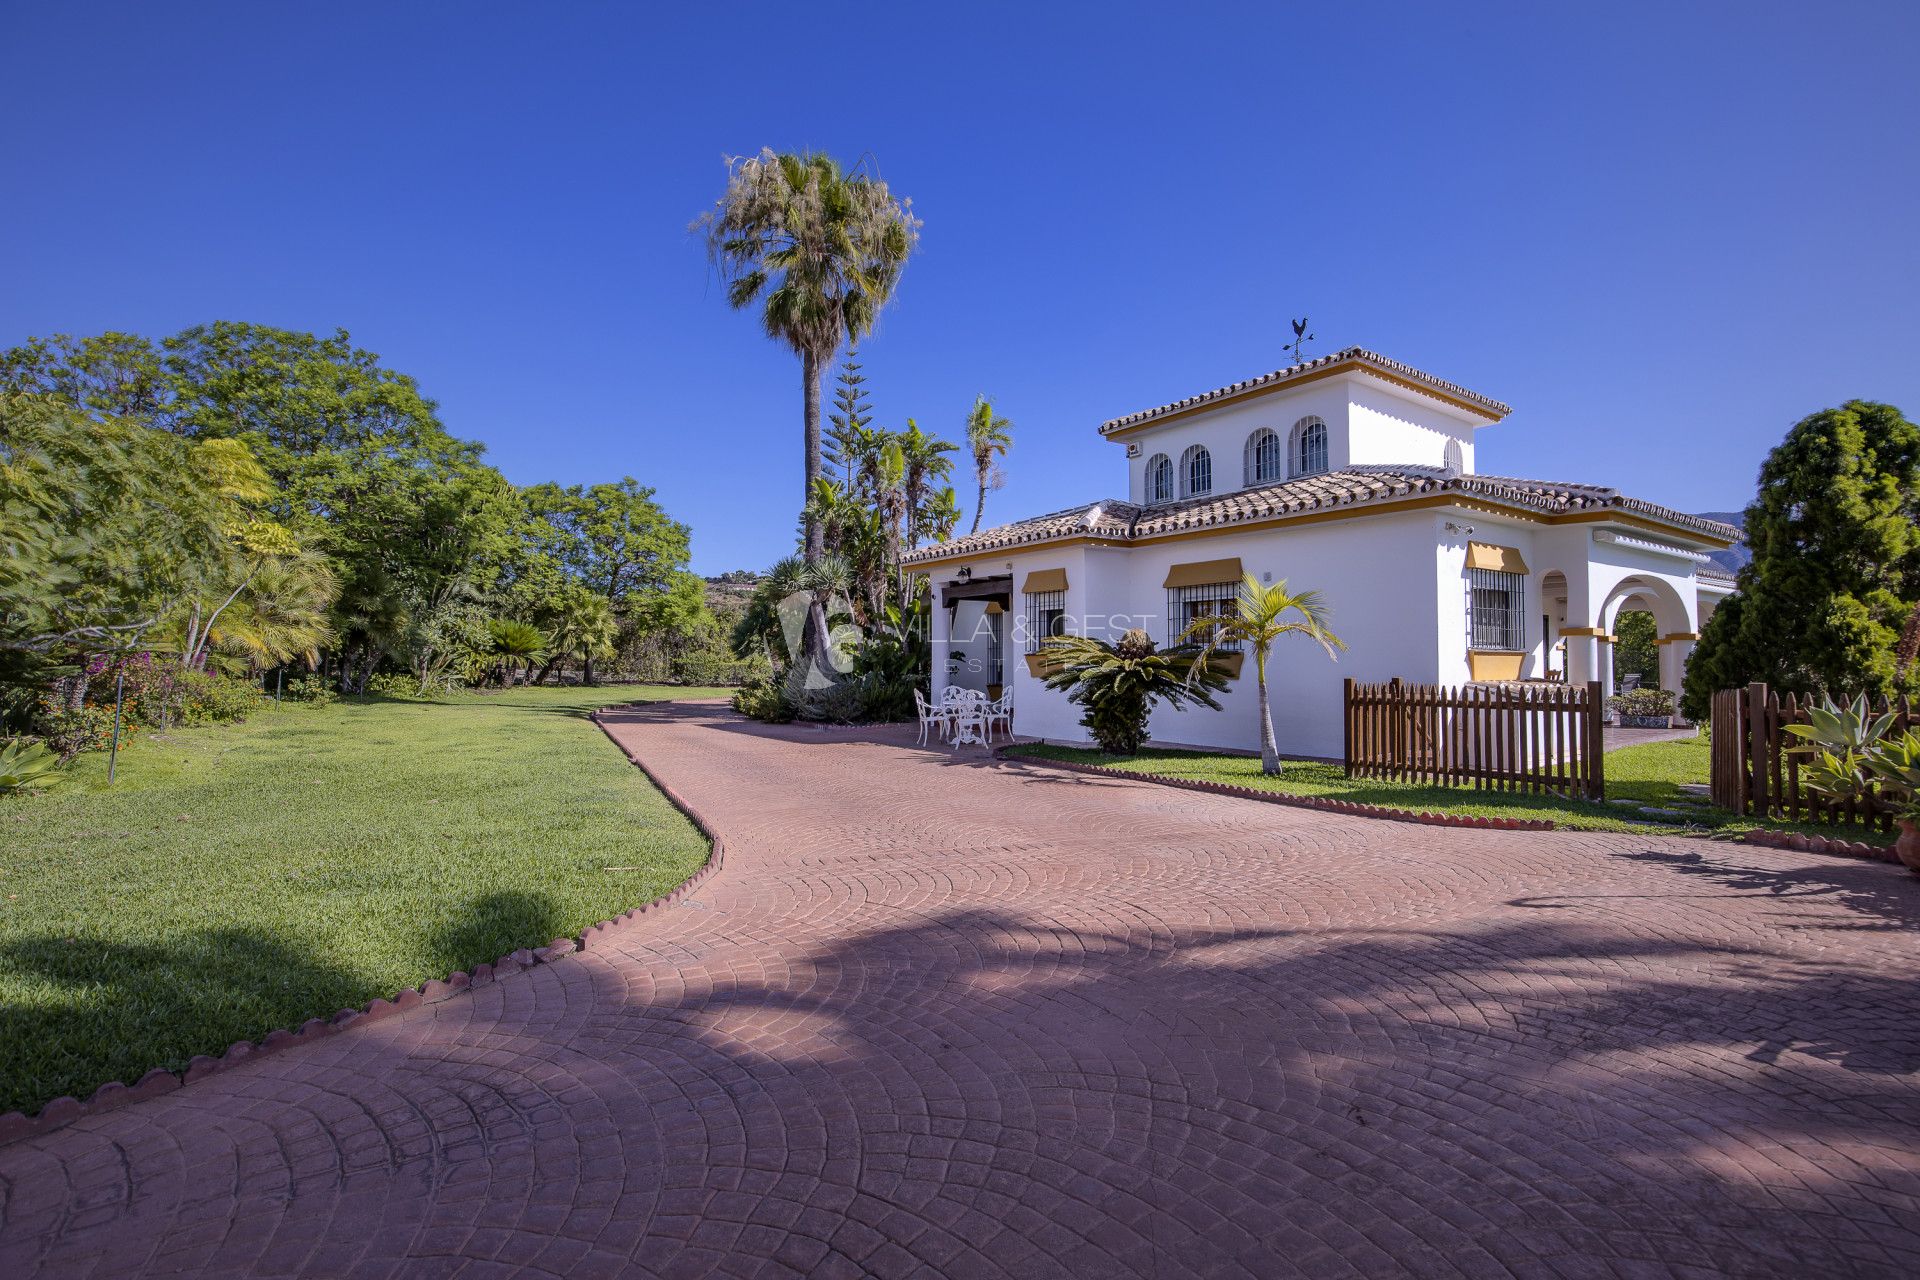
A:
(1908, 845)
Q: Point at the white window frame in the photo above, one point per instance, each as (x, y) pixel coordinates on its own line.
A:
(1195, 455)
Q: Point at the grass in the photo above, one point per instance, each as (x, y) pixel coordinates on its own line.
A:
(246, 877)
(1650, 774)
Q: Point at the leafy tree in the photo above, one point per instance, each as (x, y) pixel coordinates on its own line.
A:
(989, 436)
(612, 537)
(821, 250)
(1836, 564)
(111, 376)
(1119, 683)
(105, 526)
(1259, 619)
(1634, 650)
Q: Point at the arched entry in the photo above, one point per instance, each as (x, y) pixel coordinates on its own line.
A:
(1673, 628)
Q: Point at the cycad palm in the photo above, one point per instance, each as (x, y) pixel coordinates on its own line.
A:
(822, 251)
(988, 437)
(1258, 619)
(1118, 683)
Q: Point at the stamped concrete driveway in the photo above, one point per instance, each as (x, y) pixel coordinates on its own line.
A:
(977, 1019)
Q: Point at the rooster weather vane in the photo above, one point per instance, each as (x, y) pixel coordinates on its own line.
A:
(1300, 339)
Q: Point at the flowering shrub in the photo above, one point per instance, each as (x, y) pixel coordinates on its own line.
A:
(89, 727)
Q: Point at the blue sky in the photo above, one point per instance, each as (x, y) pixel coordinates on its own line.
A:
(1663, 233)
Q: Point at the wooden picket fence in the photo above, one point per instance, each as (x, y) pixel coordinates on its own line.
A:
(1753, 772)
(1532, 737)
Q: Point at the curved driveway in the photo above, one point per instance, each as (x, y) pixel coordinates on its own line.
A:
(980, 1019)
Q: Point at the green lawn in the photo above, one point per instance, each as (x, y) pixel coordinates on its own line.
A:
(248, 877)
(1650, 774)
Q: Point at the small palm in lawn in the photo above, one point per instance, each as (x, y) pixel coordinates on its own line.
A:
(1258, 619)
(988, 437)
(515, 643)
(1119, 683)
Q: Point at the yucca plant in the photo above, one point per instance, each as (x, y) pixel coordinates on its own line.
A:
(28, 767)
(1119, 683)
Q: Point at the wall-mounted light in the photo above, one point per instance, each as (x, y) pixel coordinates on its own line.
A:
(966, 573)
(1466, 529)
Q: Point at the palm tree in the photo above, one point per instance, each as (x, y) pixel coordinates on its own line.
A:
(515, 643)
(988, 437)
(1118, 683)
(282, 614)
(923, 460)
(942, 513)
(1259, 619)
(822, 249)
(579, 624)
(896, 504)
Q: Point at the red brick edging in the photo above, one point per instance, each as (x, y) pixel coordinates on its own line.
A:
(1349, 807)
(15, 1125)
(1801, 842)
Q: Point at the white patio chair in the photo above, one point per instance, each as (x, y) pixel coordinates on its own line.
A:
(938, 717)
(1000, 712)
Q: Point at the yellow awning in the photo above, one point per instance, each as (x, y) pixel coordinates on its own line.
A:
(1485, 555)
(1045, 580)
(1204, 573)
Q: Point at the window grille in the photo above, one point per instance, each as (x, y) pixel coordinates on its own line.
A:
(1496, 610)
(1046, 617)
(1188, 605)
(1159, 479)
(1196, 472)
(1263, 458)
(1309, 447)
(996, 663)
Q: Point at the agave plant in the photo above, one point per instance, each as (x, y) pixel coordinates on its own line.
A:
(1895, 763)
(1838, 730)
(27, 767)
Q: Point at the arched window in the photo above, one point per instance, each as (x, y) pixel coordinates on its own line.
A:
(1454, 463)
(1263, 458)
(1309, 447)
(1196, 472)
(1159, 479)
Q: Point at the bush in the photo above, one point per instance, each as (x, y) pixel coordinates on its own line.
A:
(764, 699)
(392, 684)
(68, 731)
(1643, 702)
(201, 697)
(312, 690)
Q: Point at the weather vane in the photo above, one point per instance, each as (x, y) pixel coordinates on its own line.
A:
(1300, 339)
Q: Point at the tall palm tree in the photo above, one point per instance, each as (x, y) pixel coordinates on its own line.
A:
(924, 460)
(1258, 619)
(988, 436)
(942, 513)
(821, 249)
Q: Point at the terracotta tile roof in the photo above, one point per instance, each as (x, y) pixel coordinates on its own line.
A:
(1116, 521)
(1715, 574)
(1358, 355)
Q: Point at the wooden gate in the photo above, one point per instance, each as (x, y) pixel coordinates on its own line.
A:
(1753, 772)
(1497, 737)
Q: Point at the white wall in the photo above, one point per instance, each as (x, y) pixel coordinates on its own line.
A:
(1368, 423)
(1376, 575)
(1388, 427)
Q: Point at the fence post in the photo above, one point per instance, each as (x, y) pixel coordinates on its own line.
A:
(1596, 742)
(1755, 736)
(1346, 727)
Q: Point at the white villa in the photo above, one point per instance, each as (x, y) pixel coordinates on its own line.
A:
(1351, 474)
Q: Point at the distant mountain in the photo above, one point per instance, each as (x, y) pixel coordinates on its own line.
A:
(1735, 557)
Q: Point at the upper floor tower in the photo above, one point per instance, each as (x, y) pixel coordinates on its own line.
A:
(1352, 408)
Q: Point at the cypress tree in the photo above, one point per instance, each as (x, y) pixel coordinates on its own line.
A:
(1836, 564)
